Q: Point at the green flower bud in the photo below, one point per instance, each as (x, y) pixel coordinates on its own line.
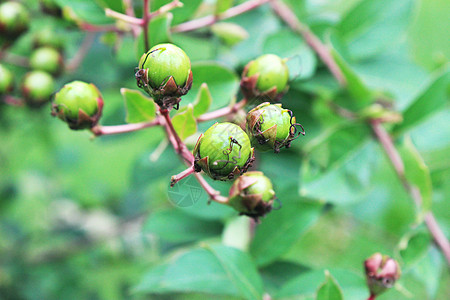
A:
(37, 88)
(6, 80)
(265, 77)
(223, 151)
(14, 19)
(47, 38)
(381, 273)
(270, 127)
(164, 72)
(252, 194)
(47, 59)
(79, 104)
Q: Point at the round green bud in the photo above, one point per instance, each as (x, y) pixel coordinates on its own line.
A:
(272, 72)
(47, 59)
(6, 80)
(252, 194)
(76, 96)
(223, 151)
(163, 61)
(37, 87)
(14, 18)
(270, 127)
(47, 37)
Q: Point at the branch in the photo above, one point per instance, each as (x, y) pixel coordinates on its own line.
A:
(396, 161)
(99, 28)
(211, 19)
(108, 130)
(182, 175)
(75, 62)
(166, 8)
(213, 194)
(15, 59)
(126, 18)
(229, 110)
(13, 101)
(283, 11)
(145, 23)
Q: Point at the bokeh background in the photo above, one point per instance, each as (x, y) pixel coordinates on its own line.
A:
(91, 218)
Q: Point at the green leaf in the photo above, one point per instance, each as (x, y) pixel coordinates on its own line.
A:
(216, 270)
(348, 181)
(417, 172)
(361, 94)
(433, 99)
(281, 229)
(304, 286)
(413, 247)
(203, 100)
(184, 123)
(89, 11)
(139, 107)
(222, 82)
(223, 5)
(229, 33)
(302, 61)
(372, 26)
(330, 289)
(178, 227)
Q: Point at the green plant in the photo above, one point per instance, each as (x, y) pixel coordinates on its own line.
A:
(14, 19)
(6, 80)
(47, 59)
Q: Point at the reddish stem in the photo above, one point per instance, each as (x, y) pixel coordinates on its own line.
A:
(99, 28)
(213, 194)
(211, 19)
(108, 130)
(371, 297)
(283, 11)
(126, 18)
(396, 161)
(13, 101)
(145, 23)
(226, 111)
(75, 62)
(182, 175)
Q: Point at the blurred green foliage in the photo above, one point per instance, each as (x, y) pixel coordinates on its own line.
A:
(91, 219)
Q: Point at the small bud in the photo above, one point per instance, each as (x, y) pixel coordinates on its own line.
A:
(14, 19)
(229, 33)
(37, 88)
(6, 80)
(381, 273)
(223, 151)
(47, 38)
(252, 194)
(270, 127)
(79, 104)
(47, 59)
(265, 77)
(164, 72)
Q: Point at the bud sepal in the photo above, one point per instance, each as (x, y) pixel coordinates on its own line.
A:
(270, 127)
(381, 273)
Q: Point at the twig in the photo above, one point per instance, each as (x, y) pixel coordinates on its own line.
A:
(145, 23)
(15, 59)
(211, 19)
(312, 40)
(166, 8)
(396, 161)
(126, 18)
(213, 194)
(128, 4)
(108, 130)
(222, 112)
(182, 175)
(75, 62)
(13, 101)
(99, 28)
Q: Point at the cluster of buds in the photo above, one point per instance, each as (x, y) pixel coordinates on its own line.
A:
(79, 104)
(381, 273)
(223, 152)
(265, 78)
(252, 195)
(164, 72)
(271, 127)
